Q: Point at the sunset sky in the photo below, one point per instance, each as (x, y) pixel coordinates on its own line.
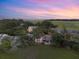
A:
(39, 9)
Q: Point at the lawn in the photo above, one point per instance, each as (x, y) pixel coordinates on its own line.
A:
(41, 52)
(70, 25)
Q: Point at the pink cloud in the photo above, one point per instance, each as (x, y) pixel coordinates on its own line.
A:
(51, 1)
(39, 1)
(42, 1)
(28, 11)
(56, 3)
(69, 12)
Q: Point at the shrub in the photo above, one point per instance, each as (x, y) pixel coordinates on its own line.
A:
(75, 47)
(57, 39)
(5, 46)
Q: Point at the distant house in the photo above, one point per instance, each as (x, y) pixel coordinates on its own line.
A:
(30, 28)
(39, 40)
(13, 39)
(2, 36)
(46, 39)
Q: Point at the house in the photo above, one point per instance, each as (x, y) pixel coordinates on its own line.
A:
(46, 39)
(2, 36)
(14, 40)
(30, 28)
(39, 40)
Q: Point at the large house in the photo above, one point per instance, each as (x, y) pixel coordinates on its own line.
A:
(46, 39)
(13, 39)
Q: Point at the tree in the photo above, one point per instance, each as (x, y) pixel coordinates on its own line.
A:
(67, 36)
(28, 23)
(46, 24)
(7, 26)
(57, 39)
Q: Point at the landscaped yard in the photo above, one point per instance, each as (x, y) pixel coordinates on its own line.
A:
(41, 52)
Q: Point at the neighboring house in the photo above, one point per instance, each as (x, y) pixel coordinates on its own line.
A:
(39, 40)
(15, 42)
(46, 39)
(30, 28)
(2, 36)
(13, 39)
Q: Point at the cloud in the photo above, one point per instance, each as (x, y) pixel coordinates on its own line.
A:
(39, 1)
(52, 1)
(35, 12)
(41, 8)
(69, 12)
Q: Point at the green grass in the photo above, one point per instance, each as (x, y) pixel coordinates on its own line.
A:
(56, 53)
(70, 25)
(41, 52)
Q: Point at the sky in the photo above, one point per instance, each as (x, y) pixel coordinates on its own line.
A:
(39, 9)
